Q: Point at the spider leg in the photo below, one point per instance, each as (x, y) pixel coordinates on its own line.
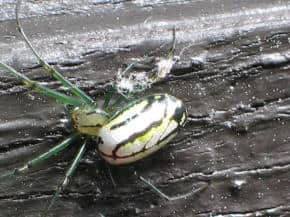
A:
(68, 176)
(108, 96)
(110, 174)
(75, 90)
(173, 44)
(128, 68)
(114, 90)
(117, 102)
(39, 159)
(170, 198)
(42, 89)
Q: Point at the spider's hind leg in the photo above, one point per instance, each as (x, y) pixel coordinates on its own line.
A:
(75, 90)
(68, 176)
(172, 198)
(41, 158)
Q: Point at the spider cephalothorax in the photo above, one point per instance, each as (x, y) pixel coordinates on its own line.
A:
(88, 119)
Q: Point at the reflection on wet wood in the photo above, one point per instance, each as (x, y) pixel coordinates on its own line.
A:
(233, 76)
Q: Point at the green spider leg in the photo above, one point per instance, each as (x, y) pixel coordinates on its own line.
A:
(145, 66)
(112, 91)
(108, 96)
(41, 158)
(68, 176)
(173, 44)
(75, 90)
(170, 198)
(42, 89)
(110, 174)
(128, 68)
(118, 101)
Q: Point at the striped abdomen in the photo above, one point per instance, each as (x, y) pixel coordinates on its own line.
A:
(141, 128)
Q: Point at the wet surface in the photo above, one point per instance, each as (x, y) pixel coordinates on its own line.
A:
(233, 77)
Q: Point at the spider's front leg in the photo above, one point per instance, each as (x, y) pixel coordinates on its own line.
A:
(141, 74)
(74, 89)
(42, 89)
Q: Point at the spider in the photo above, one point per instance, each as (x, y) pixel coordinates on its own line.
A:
(132, 133)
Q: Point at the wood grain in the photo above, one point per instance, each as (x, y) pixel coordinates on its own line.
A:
(233, 77)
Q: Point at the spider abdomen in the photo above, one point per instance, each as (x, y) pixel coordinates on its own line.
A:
(141, 128)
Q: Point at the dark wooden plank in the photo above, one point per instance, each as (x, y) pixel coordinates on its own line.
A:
(234, 80)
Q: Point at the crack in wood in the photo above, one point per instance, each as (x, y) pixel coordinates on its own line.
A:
(233, 173)
(268, 211)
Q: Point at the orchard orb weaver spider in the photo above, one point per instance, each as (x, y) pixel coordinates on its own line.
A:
(132, 133)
